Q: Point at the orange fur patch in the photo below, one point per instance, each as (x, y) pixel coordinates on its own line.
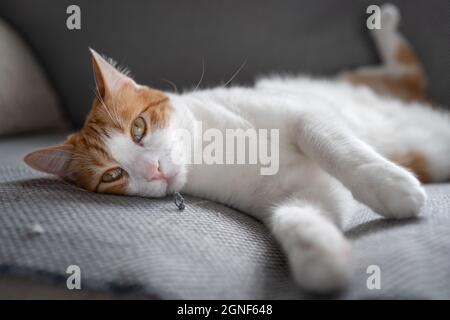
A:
(408, 87)
(416, 162)
(405, 55)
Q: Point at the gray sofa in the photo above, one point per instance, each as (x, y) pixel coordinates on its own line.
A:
(130, 247)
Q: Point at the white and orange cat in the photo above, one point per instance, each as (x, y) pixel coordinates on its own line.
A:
(368, 135)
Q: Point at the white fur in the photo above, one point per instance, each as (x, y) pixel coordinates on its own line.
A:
(334, 142)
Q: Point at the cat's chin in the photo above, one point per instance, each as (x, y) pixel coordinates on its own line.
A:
(167, 187)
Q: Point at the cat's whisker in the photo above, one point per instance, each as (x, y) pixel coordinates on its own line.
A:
(174, 86)
(115, 119)
(236, 73)
(201, 78)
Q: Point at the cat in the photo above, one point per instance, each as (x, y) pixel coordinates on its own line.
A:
(368, 135)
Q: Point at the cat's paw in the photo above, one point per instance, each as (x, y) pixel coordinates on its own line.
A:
(324, 266)
(390, 190)
(390, 16)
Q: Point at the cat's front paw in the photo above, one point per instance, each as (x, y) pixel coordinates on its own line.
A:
(391, 191)
(322, 267)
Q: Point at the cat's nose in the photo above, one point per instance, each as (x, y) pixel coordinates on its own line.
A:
(153, 171)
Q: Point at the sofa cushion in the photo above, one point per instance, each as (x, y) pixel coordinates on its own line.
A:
(148, 248)
(27, 102)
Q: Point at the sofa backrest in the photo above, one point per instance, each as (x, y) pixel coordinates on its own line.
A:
(168, 41)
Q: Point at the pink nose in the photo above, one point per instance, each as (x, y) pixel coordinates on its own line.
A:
(152, 171)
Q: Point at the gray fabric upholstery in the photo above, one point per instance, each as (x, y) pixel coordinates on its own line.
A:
(147, 248)
(162, 39)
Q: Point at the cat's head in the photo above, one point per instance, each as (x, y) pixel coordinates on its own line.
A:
(126, 145)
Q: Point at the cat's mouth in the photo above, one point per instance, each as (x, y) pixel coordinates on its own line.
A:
(168, 179)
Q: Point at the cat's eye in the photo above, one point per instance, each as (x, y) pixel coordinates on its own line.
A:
(138, 129)
(112, 175)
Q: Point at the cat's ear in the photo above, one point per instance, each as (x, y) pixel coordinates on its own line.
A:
(108, 79)
(54, 160)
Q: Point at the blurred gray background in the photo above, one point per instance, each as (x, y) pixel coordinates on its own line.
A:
(160, 39)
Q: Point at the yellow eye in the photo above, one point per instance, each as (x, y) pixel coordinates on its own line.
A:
(138, 129)
(112, 175)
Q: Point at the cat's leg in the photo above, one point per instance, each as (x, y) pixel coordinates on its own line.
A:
(387, 188)
(318, 253)
(395, 51)
(401, 73)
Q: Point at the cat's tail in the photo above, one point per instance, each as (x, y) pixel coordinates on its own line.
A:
(401, 73)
